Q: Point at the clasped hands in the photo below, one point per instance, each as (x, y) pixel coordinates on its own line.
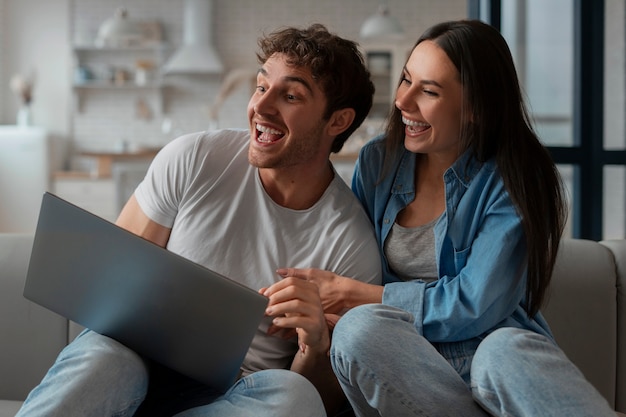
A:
(305, 302)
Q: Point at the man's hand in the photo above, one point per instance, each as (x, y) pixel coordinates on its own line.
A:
(331, 286)
(296, 304)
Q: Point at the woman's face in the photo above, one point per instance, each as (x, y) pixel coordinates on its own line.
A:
(430, 98)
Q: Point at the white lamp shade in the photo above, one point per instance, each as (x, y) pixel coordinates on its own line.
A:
(381, 25)
(119, 30)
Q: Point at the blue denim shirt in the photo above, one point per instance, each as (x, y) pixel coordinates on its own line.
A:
(479, 246)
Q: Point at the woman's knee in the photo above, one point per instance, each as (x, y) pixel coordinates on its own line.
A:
(364, 332)
(505, 350)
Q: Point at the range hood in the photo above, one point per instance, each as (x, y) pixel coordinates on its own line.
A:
(196, 55)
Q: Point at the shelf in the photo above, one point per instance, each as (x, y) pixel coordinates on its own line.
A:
(107, 68)
(105, 160)
(150, 47)
(104, 85)
(344, 156)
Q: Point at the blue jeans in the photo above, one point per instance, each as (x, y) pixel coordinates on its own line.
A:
(97, 376)
(387, 369)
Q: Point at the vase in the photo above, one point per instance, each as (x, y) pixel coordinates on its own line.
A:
(24, 116)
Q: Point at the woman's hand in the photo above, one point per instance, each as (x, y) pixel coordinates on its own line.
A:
(338, 293)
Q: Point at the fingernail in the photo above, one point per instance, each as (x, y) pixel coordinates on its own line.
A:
(282, 272)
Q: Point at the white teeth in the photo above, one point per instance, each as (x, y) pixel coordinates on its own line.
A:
(269, 130)
(413, 123)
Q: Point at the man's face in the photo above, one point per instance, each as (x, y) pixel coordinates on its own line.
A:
(285, 115)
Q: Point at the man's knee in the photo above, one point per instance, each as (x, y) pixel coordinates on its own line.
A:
(106, 358)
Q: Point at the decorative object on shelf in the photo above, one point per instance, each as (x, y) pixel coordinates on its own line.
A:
(119, 31)
(232, 81)
(22, 86)
(196, 55)
(82, 75)
(144, 69)
(24, 116)
(142, 110)
(381, 25)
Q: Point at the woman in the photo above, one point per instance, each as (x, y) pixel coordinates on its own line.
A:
(468, 210)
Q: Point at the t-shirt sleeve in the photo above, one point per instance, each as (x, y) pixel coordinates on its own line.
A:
(160, 192)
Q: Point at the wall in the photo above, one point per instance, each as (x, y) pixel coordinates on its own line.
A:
(41, 32)
(35, 38)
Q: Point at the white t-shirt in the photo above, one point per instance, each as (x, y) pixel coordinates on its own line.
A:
(203, 188)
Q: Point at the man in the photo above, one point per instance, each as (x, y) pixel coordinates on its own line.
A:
(246, 204)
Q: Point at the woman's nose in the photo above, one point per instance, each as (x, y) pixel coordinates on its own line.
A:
(404, 100)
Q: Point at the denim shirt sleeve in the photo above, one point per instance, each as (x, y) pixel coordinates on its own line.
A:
(408, 296)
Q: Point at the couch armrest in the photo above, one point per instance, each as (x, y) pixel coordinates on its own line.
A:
(618, 248)
(32, 336)
(582, 310)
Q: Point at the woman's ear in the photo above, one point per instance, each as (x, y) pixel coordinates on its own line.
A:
(340, 121)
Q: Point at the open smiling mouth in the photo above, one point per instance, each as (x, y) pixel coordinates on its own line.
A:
(413, 126)
(267, 134)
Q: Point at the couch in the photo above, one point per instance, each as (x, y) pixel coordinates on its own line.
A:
(586, 310)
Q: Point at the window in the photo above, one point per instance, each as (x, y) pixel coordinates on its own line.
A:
(570, 60)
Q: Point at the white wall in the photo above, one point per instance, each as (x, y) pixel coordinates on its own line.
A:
(35, 39)
(38, 34)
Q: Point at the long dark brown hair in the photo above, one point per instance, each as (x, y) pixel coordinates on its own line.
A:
(500, 128)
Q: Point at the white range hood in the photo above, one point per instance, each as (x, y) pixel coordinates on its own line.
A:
(197, 54)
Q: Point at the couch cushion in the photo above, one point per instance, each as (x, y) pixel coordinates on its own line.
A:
(9, 408)
(32, 336)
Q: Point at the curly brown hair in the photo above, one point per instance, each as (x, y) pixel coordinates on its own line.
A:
(335, 62)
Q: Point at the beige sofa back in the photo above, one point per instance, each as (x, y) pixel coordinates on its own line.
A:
(585, 310)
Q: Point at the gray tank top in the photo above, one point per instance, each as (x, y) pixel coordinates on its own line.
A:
(410, 251)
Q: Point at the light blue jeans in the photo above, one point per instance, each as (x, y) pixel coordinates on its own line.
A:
(97, 376)
(387, 369)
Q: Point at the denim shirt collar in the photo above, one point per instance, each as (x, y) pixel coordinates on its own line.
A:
(464, 169)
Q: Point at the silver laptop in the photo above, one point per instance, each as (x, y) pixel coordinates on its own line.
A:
(161, 305)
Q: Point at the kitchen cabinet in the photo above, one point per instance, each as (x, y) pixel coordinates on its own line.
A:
(25, 164)
(134, 70)
(96, 195)
(385, 61)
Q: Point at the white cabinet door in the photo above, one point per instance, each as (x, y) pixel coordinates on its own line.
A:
(94, 195)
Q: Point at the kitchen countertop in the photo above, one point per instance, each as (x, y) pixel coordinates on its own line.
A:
(105, 160)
